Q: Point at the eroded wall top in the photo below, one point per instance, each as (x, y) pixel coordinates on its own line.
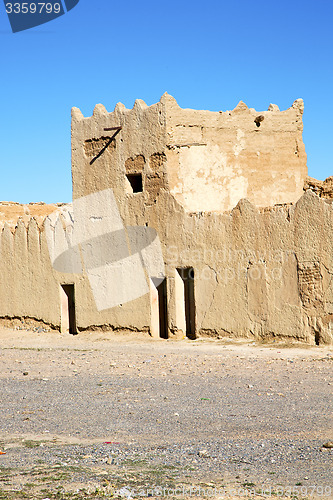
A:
(207, 160)
(217, 158)
(11, 212)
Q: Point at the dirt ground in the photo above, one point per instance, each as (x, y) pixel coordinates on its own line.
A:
(104, 415)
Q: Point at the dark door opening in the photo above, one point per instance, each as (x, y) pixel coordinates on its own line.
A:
(162, 309)
(187, 275)
(68, 310)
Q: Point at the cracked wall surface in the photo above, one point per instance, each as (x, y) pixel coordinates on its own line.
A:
(263, 266)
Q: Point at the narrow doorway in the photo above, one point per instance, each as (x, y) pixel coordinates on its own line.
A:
(158, 309)
(186, 305)
(162, 309)
(68, 317)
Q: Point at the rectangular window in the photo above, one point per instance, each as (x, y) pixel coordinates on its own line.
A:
(135, 181)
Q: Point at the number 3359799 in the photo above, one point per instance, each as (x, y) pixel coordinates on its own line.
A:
(33, 8)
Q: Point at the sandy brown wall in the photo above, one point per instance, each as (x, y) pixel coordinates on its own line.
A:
(217, 158)
(257, 274)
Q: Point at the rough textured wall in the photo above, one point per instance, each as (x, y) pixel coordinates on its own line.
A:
(251, 271)
(28, 287)
(266, 275)
(217, 158)
(139, 148)
(208, 160)
(324, 189)
(259, 273)
(10, 212)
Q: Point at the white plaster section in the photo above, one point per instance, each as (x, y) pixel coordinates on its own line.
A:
(116, 273)
(237, 189)
(240, 143)
(118, 282)
(207, 181)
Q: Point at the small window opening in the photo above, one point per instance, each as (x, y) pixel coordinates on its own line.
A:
(135, 181)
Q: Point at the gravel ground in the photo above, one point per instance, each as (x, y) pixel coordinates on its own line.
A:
(100, 415)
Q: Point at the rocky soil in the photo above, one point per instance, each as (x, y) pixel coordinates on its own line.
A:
(101, 415)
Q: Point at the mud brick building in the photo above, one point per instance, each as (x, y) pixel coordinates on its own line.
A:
(183, 222)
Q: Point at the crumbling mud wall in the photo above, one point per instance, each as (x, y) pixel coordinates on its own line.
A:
(257, 268)
(257, 274)
(217, 158)
(31, 287)
(263, 275)
(324, 189)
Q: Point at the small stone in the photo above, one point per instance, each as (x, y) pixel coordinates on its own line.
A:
(328, 445)
(25, 373)
(203, 454)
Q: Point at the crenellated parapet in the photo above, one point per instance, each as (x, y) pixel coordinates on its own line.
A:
(206, 160)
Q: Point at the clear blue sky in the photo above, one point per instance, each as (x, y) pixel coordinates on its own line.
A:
(208, 55)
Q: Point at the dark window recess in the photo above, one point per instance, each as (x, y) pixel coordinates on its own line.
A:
(135, 181)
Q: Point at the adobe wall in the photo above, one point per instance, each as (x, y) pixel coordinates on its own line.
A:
(217, 158)
(207, 160)
(324, 189)
(139, 148)
(30, 286)
(259, 273)
(266, 275)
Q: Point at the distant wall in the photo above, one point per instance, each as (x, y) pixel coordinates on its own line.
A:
(324, 189)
